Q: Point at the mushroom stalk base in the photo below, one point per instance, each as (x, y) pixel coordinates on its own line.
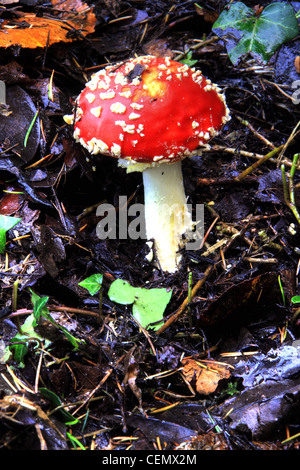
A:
(166, 213)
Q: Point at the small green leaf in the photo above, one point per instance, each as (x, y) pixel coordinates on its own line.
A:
(93, 283)
(6, 223)
(245, 32)
(148, 305)
(41, 310)
(56, 402)
(75, 442)
(295, 299)
(19, 343)
(2, 240)
(19, 351)
(39, 306)
(188, 60)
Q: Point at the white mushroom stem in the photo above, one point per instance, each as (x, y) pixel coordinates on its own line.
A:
(166, 212)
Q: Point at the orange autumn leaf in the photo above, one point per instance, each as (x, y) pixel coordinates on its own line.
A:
(74, 20)
(206, 374)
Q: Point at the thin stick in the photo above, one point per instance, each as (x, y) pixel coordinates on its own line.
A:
(258, 163)
(102, 381)
(289, 190)
(197, 286)
(38, 372)
(243, 153)
(185, 303)
(255, 132)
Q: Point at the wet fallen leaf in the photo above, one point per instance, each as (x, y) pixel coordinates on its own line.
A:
(21, 129)
(207, 441)
(131, 377)
(87, 376)
(6, 223)
(271, 392)
(50, 248)
(265, 408)
(168, 432)
(207, 374)
(131, 374)
(73, 21)
(243, 298)
(26, 412)
(11, 200)
(12, 73)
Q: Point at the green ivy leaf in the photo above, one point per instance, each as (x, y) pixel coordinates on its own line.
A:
(148, 305)
(92, 283)
(261, 35)
(6, 223)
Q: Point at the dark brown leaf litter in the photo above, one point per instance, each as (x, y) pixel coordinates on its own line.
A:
(127, 387)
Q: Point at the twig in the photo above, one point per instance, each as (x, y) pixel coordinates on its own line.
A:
(102, 381)
(255, 132)
(38, 371)
(198, 285)
(195, 47)
(289, 189)
(243, 153)
(258, 163)
(278, 88)
(79, 311)
(146, 333)
(252, 259)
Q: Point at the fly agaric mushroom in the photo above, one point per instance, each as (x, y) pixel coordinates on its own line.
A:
(151, 113)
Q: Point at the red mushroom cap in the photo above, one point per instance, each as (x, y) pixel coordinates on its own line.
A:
(149, 110)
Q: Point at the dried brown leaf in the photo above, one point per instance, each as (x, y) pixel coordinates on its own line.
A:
(207, 374)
